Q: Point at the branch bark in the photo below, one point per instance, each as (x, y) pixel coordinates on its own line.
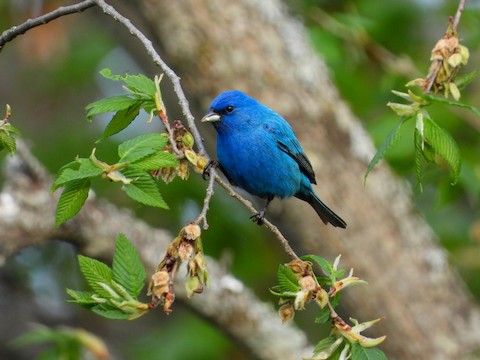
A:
(27, 218)
(259, 48)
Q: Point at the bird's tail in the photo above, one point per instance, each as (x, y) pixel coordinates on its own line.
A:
(327, 215)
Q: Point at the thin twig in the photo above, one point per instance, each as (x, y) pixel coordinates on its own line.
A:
(110, 10)
(278, 234)
(15, 31)
(10, 34)
(206, 201)
(458, 15)
(432, 76)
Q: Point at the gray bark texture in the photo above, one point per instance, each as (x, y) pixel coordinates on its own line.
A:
(27, 218)
(257, 47)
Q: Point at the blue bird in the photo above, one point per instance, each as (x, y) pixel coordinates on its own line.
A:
(257, 151)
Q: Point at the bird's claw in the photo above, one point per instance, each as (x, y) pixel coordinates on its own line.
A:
(206, 170)
(258, 217)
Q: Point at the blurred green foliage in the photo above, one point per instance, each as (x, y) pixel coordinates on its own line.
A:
(374, 49)
(48, 83)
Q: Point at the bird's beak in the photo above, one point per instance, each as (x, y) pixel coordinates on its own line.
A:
(211, 117)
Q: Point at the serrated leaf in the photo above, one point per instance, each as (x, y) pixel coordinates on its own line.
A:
(121, 120)
(278, 291)
(443, 144)
(451, 103)
(7, 141)
(463, 80)
(79, 169)
(81, 297)
(287, 280)
(110, 312)
(127, 269)
(362, 353)
(136, 83)
(390, 140)
(141, 146)
(110, 104)
(71, 200)
(95, 272)
(418, 156)
(11, 129)
(324, 345)
(324, 264)
(324, 316)
(143, 188)
(156, 161)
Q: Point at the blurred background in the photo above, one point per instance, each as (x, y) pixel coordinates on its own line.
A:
(48, 76)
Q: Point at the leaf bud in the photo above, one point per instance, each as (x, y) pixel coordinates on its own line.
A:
(308, 283)
(193, 285)
(299, 267)
(286, 312)
(191, 232)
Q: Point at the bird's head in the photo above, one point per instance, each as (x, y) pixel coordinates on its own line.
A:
(230, 109)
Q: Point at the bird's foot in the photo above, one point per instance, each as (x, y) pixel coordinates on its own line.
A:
(258, 217)
(206, 170)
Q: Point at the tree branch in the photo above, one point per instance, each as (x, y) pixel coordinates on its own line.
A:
(458, 14)
(175, 79)
(13, 32)
(28, 219)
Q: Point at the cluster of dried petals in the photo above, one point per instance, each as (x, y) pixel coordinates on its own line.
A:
(191, 232)
(447, 56)
(286, 312)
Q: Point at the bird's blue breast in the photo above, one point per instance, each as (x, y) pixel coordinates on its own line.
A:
(253, 160)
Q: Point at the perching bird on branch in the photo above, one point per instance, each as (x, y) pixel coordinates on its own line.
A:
(257, 151)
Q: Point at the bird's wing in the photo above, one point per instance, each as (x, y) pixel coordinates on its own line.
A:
(288, 143)
(292, 148)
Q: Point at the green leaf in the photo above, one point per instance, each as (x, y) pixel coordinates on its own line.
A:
(11, 129)
(463, 80)
(418, 138)
(81, 297)
(127, 269)
(110, 104)
(95, 272)
(326, 346)
(287, 280)
(143, 188)
(390, 140)
(278, 291)
(121, 120)
(362, 353)
(7, 141)
(110, 312)
(71, 201)
(324, 264)
(138, 148)
(138, 84)
(156, 161)
(76, 170)
(324, 315)
(451, 103)
(444, 145)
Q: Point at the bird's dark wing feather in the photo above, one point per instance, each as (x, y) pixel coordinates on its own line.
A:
(300, 158)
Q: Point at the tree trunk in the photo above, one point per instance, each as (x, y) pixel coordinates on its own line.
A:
(256, 46)
(27, 218)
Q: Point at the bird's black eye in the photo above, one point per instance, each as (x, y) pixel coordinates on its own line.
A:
(229, 109)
